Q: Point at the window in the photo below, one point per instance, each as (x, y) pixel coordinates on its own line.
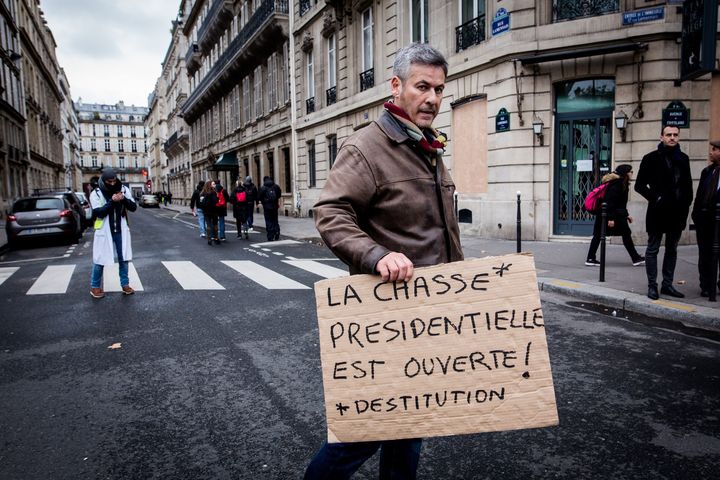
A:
(332, 62)
(367, 39)
(121, 162)
(287, 169)
(332, 150)
(310, 79)
(119, 131)
(246, 100)
(93, 129)
(272, 82)
(132, 130)
(284, 77)
(121, 146)
(419, 19)
(472, 24)
(133, 145)
(312, 168)
(257, 92)
(94, 161)
(107, 144)
(93, 146)
(106, 130)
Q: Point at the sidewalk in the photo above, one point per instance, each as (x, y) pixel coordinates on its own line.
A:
(561, 269)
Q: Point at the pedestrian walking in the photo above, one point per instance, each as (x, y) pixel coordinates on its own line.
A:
(703, 215)
(111, 202)
(197, 211)
(208, 203)
(239, 200)
(252, 201)
(665, 182)
(618, 219)
(269, 196)
(221, 208)
(375, 214)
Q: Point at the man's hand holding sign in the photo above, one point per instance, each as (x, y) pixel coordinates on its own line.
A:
(459, 348)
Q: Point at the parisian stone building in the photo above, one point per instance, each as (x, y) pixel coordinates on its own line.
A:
(71, 136)
(238, 106)
(566, 70)
(156, 128)
(13, 142)
(113, 136)
(542, 97)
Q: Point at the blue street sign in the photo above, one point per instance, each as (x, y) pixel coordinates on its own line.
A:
(647, 15)
(501, 22)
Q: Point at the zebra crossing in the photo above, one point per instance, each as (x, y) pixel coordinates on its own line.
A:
(56, 279)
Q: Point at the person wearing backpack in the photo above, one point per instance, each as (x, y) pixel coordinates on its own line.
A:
(270, 198)
(252, 201)
(618, 219)
(239, 200)
(208, 203)
(221, 207)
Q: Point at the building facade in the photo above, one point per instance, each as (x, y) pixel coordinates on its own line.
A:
(568, 70)
(238, 107)
(13, 143)
(71, 136)
(113, 136)
(40, 73)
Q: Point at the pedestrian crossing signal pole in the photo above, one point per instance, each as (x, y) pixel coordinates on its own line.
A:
(715, 255)
(603, 227)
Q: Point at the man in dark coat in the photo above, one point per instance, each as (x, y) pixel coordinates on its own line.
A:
(270, 198)
(665, 182)
(195, 207)
(703, 215)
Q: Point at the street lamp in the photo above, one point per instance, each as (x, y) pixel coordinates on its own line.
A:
(621, 124)
(538, 129)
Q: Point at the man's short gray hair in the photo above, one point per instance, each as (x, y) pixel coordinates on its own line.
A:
(417, 54)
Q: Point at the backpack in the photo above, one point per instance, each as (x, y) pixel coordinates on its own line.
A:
(221, 200)
(271, 195)
(203, 202)
(594, 199)
(241, 196)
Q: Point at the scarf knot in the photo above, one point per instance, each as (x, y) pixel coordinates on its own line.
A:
(430, 141)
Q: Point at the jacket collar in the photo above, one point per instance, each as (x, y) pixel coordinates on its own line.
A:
(391, 128)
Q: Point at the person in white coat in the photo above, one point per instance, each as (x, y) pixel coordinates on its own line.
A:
(110, 202)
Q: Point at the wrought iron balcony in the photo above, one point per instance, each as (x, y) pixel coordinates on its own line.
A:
(367, 79)
(470, 33)
(570, 9)
(192, 58)
(310, 105)
(216, 21)
(250, 47)
(305, 6)
(331, 95)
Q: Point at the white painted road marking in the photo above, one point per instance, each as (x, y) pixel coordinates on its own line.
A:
(111, 278)
(191, 277)
(5, 273)
(54, 279)
(264, 276)
(325, 271)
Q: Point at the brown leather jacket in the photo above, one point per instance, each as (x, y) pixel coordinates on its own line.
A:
(383, 196)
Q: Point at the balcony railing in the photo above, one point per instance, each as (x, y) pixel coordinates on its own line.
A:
(192, 58)
(217, 19)
(470, 33)
(305, 6)
(238, 45)
(571, 9)
(310, 105)
(331, 95)
(367, 79)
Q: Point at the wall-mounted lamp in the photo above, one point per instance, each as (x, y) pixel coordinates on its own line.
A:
(14, 56)
(621, 124)
(538, 129)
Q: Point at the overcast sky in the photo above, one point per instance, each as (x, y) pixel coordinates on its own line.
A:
(111, 50)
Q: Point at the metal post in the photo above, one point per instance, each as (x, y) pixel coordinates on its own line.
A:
(603, 228)
(519, 225)
(715, 255)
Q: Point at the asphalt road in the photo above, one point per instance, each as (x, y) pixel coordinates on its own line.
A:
(226, 383)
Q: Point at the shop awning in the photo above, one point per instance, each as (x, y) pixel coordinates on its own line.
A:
(582, 52)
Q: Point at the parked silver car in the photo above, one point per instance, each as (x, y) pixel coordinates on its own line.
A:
(42, 217)
(149, 201)
(86, 207)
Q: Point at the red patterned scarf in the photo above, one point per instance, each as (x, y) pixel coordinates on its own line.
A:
(433, 148)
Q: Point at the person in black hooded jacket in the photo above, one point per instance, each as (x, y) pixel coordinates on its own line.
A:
(270, 198)
(664, 180)
(197, 211)
(618, 218)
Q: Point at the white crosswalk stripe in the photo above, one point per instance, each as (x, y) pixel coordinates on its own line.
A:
(54, 279)
(111, 278)
(5, 273)
(191, 277)
(264, 276)
(325, 271)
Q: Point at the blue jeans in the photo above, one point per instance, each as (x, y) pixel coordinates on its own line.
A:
(669, 261)
(97, 272)
(221, 226)
(201, 221)
(339, 461)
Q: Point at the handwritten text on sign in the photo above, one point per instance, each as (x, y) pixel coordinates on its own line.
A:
(460, 348)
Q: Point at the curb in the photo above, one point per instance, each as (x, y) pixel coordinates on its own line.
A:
(703, 318)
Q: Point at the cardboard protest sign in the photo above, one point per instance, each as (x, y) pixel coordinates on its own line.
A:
(460, 348)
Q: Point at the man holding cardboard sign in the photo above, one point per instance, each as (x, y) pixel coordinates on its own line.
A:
(386, 208)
